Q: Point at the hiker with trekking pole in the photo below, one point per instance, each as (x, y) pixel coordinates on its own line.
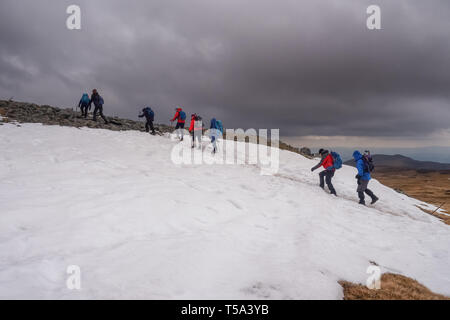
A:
(149, 115)
(180, 116)
(196, 130)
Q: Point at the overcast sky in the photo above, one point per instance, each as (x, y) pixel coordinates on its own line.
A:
(310, 68)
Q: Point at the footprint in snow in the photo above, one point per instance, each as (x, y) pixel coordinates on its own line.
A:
(236, 205)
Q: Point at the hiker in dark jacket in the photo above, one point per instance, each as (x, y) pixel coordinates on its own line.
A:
(363, 178)
(327, 162)
(98, 103)
(83, 104)
(150, 117)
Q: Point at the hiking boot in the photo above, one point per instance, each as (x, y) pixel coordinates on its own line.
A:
(375, 199)
(361, 198)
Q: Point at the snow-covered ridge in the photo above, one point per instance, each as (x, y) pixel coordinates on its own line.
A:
(141, 227)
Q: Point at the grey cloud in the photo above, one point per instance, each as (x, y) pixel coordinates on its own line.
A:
(307, 67)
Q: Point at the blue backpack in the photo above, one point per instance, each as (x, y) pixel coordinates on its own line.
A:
(85, 98)
(337, 161)
(101, 101)
(182, 115)
(219, 126)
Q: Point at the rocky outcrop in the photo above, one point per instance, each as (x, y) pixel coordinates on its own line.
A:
(306, 151)
(23, 112)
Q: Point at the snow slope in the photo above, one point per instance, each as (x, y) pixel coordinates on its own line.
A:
(141, 227)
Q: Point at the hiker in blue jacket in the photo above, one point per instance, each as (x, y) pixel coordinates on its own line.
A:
(98, 104)
(215, 132)
(363, 178)
(150, 117)
(83, 104)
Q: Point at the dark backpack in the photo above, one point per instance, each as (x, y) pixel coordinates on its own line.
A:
(101, 101)
(149, 113)
(182, 115)
(368, 163)
(337, 161)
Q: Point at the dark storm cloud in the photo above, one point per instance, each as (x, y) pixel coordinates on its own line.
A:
(307, 67)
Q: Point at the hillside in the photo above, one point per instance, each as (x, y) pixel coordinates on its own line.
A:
(140, 226)
(399, 162)
(24, 112)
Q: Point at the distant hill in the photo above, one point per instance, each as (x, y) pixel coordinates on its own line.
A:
(401, 162)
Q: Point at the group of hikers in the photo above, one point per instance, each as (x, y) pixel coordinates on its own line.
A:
(331, 161)
(195, 129)
(85, 104)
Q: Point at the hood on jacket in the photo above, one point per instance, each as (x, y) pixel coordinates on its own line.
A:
(357, 155)
(324, 153)
(178, 109)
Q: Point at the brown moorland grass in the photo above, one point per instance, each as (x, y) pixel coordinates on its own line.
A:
(393, 287)
(432, 187)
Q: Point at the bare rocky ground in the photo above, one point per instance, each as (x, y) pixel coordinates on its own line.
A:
(24, 112)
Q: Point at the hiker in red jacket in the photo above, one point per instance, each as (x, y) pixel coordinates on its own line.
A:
(196, 129)
(327, 174)
(180, 116)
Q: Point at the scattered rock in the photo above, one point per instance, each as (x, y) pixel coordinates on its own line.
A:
(306, 151)
(24, 112)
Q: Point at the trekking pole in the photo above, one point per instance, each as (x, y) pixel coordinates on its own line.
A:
(437, 208)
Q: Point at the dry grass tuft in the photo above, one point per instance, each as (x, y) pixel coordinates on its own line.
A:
(393, 287)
